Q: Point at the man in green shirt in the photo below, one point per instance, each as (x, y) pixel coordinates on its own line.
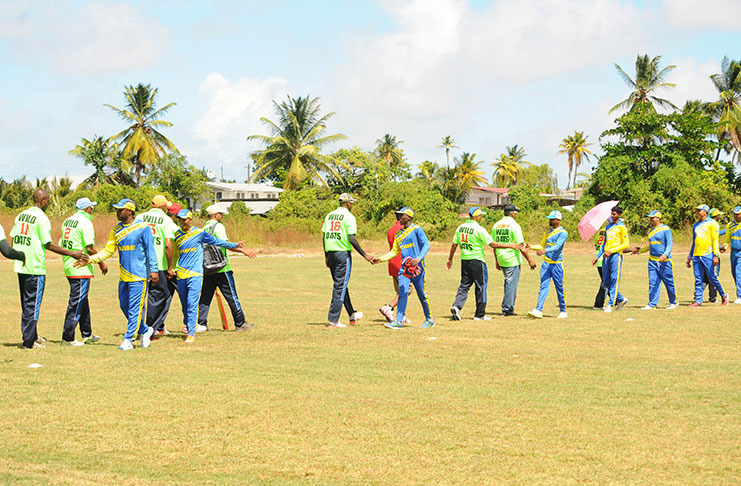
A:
(160, 295)
(509, 261)
(7, 250)
(78, 234)
(31, 235)
(473, 240)
(223, 279)
(339, 231)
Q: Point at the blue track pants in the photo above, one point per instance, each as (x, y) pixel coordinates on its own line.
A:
(132, 296)
(419, 285)
(189, 291)
(703, 268)
(659, 272)
(548, 272)
(736, 270)
(612, 267)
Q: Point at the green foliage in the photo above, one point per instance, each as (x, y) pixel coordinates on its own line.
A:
(312, 203)
(526, 197)
(175, 175)
(237, 210)
(540, 176)
(17, 194)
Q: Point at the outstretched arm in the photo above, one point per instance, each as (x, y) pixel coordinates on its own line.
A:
(354, 242)
(9, 252)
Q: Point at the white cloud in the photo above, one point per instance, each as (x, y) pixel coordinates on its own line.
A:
(692, 80)
(231, 112)
(708, 14)
(15, 20)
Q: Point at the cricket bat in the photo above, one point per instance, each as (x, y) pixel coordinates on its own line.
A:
(222, 312)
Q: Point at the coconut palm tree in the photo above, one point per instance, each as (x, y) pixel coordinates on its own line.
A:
(517, 154)
(428, 171)
(506, 171)
(295, 141)
(728, 84)
(447, 143)
(575, 146)
(387, 149)
(101, 153)
(469, 171)
(142, 143)
(648, 80)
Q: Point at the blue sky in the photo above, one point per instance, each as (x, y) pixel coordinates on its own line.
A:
(488, 73)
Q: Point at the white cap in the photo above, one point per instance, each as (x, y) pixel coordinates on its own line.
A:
(216, 208)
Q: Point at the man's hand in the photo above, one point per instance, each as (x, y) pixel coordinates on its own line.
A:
(326, 261)
(607, 253)
(540, 252)
(594, 262)
(448, 264)
(716, 261)
(532, 264)
(81, 263)
(240, 244)
(723, 248)
(497, 265)
(170, 273)
(103, 268)
(663, 258)
(375, 261)
(369, 258)
(414, 261)
(636, 250)
(248, 253)
(689, 265)
(79, 255)
(154, 277)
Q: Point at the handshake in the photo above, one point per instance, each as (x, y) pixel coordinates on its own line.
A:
(372, 260)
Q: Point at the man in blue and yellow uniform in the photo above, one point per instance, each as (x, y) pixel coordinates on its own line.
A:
(138, 263)
(660, 265)
(411, 241)
(616, 241)
(189, 242)
(552, 266)
(733, 239)
(705, 254)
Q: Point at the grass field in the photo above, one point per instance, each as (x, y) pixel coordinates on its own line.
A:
(592, 399)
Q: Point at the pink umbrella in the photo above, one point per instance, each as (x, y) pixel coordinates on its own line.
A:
(594, 218)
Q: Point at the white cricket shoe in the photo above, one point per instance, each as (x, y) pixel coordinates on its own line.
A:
(484, 318)
(673, 306)
(75, 343)
(406, 321)
(648, 307)
(562, 315)
(456, 313)
(597, 308)
(335, 324)
(607, 308)
(355, 317)
(147, 338)
(201, 328)
(737, 301)
(621, 304)
(126, 345)
(387, 312)
(535, 314)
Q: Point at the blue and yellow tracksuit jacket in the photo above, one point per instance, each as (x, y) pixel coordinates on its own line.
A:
(135, 251)
(552, 267)
(660, 242)
(733, 239)
(616, 240)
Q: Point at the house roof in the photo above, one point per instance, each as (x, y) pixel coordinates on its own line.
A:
(498, 190)
(232, 186)
(255, 207)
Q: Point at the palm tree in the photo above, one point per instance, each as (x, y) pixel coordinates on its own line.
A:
(507, 170)
(728, 84)
(469, 171)
(428, 171)
(295, 142)
(142, 144)
(101, 153)
(575, 146)
(447, 143)
(387, 149)
(648, 80)
(517, 154)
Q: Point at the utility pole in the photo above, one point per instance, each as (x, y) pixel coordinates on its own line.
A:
(222, 172)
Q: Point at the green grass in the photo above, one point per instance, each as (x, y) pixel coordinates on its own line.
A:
(593, 399)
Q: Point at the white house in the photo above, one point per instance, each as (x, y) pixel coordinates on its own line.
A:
(488, 197)
(259, 198)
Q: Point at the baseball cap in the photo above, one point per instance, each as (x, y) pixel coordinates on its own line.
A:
(185, 213)
(406, 210)
(655, 213)
(555, 215)
(216, 208)
(346, 197)
(703, 207)
(125, 204)
(159, 200)
(476, 211)
(715, 212)
(84, 203)
(737, 210)
(173, 210)
(511, 208)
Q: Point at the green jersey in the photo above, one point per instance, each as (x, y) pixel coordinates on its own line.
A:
(162, 227)
(217, 229)
(31, 233)
(77, 234)
(473, 240)
(507, 231)
(338, 226)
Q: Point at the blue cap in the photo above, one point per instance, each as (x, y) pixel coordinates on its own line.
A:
(476, 211)
(555, 215)
(737, 210)
(185, 214)
(125, 204)
(406, 210)
(654, 214)
(703, 207)
(84, 203)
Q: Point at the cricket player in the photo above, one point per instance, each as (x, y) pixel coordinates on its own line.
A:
(552, 266)
(704, 254)
(660, 264)
(339, 231)
(78, 234)
(31, 235)
(223, 279)
(393, 268)
(160, 296)
(616, 241)
(733, 239)
(509, 261)
(189, 242)
(413, 245)
(599, 299)
(714, 215)
(138, 265)
(473, 240)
